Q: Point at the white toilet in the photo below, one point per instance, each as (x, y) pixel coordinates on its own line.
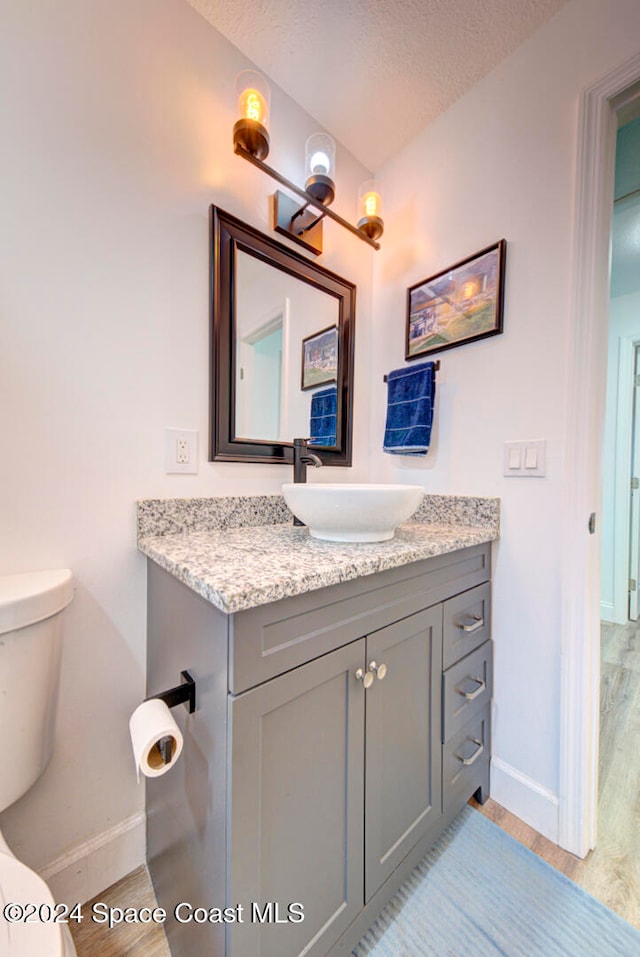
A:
(31, 607)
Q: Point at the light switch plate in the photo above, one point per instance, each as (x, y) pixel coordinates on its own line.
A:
(526, 459)
(514, 457)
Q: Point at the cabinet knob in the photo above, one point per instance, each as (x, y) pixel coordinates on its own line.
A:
(379, 669)
(366, 677)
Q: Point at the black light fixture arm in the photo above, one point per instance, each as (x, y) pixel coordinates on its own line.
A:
(300, 229)
(303, 194)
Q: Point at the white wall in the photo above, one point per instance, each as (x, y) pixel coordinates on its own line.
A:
(501, 163)
(116, 137)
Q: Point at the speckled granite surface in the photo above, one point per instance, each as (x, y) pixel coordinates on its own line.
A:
(459, 510)
(167, 516)
(237, 564)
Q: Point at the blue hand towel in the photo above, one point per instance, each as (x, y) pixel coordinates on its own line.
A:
(411, 394)
(322, 421)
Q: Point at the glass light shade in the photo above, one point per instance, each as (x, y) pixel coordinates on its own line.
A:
(253, 100)
(370, 210)
(320, 164)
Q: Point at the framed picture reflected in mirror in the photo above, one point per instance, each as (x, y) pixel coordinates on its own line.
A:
(320, 358)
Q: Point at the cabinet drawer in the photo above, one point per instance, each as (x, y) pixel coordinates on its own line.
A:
(467, 623)
(465, 759)
(271, 639)
(467, 687)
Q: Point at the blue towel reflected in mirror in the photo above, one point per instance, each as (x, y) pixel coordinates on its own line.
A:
(322, 420)
(411, 395)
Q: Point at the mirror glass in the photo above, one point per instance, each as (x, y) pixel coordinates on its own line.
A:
(275, 314)
(282, 349)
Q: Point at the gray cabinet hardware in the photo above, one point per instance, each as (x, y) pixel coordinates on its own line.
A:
(366, 677)
(470, 695)
(471, 623)
(476, 754)
(379, 669)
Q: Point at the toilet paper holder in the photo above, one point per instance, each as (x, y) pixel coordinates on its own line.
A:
(184, 693)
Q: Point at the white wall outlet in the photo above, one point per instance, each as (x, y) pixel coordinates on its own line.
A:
(181, 451)
(526, 459)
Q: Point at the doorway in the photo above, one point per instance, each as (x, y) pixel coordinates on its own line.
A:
(261, 407)
(620, 543)
(600, 109)
(612, 873)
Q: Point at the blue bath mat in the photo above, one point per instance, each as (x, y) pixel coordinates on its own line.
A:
(479, 893)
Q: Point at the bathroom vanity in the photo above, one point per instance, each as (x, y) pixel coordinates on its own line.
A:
(342, 721)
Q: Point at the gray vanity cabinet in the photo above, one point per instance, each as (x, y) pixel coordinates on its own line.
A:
(336, 734)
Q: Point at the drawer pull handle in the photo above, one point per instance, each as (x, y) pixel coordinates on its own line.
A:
(470, 695)
(366, 677)
(471, 623)
(379, 669)
(476, 754)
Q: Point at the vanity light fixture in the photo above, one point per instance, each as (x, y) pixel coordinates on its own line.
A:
(303, 223)
(253, 98)
(370, 210)
(320, 165)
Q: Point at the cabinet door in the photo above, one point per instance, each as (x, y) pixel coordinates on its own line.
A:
(296, 827)
(403, 791)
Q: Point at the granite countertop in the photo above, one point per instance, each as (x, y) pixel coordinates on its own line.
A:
(238, 553)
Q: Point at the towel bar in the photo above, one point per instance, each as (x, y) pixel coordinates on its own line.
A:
(436, 366)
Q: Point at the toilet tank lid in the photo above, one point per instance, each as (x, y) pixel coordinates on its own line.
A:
(28, 597)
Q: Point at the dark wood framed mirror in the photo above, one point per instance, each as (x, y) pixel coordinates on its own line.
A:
(271, 315)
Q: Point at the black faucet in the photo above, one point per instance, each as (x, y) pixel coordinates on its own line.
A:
(301, 458)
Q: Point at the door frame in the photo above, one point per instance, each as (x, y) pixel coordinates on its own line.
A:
(633, 494)
(588, 328)
(625, 426)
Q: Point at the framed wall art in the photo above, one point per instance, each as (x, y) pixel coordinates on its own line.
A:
(460, 304)
(320, 358)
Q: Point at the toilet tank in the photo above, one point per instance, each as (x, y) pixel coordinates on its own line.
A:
(31, 606)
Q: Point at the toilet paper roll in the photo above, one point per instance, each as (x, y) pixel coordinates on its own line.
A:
(149, 723)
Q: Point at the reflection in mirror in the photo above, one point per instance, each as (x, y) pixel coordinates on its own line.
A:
(282, 349)
(260, 385)
(275, 314)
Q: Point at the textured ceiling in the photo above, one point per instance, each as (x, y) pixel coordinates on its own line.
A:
(375, 72)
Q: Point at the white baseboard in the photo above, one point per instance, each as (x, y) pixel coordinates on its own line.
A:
(524, 797)
(81, 874)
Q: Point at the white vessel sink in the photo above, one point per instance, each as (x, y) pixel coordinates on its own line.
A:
(352, 513)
